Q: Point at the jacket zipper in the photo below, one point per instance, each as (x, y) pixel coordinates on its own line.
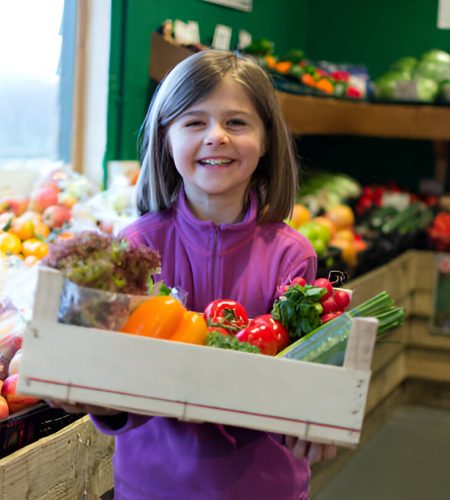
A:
(213, 261)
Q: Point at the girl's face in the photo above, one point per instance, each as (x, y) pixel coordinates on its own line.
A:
(216, 144)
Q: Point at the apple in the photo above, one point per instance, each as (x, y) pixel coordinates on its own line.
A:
(16, 402)
(17, 204)
(43, 197)
(56, 216)
(4, 408)
(14, 364)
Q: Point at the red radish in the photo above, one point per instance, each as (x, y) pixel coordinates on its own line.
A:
(298, 280)
(324, 283)
(342, 299)
(280, 290)
(328, 317)
(328, 304)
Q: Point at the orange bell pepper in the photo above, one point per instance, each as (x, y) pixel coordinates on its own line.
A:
(325, 86)
(164, 317)
(192, 329)
(283, 67)
(157, 317)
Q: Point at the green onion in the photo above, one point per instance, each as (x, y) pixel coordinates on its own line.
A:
(327, 343)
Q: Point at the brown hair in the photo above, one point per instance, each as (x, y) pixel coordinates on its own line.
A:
(275, 178)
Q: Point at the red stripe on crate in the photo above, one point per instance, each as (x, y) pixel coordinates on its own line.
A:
(122, 393)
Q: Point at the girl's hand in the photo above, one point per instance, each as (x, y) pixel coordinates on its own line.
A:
(314, 452)
(82, 408)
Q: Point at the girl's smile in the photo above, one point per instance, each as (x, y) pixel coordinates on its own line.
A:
(216, 145)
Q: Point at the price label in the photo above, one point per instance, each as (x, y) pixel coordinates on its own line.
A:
(400, 201)
(405, 91)
(222, 37)
(186, 33)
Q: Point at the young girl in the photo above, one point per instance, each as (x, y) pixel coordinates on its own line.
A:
(218, 178)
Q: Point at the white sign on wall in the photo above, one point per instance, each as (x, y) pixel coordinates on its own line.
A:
(245, 5)
(444, 14)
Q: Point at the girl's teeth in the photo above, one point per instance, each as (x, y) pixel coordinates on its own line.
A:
(216, 162)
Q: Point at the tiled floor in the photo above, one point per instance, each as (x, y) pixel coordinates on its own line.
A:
(407, 459)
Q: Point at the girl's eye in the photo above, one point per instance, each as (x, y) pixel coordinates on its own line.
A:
(194, 123)
(236, 122)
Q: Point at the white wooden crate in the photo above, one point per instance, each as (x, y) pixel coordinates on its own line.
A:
(156, 377)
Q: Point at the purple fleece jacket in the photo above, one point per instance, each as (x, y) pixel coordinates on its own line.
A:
(164, 458)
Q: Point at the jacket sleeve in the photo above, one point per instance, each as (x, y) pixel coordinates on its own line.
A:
(117, 424)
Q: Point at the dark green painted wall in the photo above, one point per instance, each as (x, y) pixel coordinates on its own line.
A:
(374, 33)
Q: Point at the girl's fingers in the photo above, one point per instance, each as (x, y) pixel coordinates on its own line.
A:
(315, 452)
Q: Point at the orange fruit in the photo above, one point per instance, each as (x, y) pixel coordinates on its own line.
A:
(300, 215)
(41, 230)
(35, 247)
(341, 216)
(345, 234)
(22, 227)
(348, 251)
(10, 243)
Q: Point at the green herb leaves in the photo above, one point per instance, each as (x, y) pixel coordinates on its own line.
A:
(299, 309)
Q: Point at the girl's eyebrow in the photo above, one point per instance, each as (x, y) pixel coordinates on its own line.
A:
(199, 112)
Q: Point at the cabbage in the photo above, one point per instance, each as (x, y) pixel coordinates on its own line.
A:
(405, 64)
(427, 89)
(435, 65)
(384, 87)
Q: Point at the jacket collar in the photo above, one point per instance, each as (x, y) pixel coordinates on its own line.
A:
(196, 229)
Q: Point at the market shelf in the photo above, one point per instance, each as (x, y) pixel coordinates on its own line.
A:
(306, 115)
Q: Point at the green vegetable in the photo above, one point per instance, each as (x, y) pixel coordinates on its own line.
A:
(299, 309)
(217, 339)
(327, 343)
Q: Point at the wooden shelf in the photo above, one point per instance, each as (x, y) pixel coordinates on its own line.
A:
(306, 115)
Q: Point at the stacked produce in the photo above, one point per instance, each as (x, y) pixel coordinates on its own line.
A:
(439, 232)
(12, 326)
(309, 77)
(426, 79)
(29, 224)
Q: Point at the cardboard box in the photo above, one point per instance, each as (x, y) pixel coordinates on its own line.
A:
(157, 377)
(164, 56)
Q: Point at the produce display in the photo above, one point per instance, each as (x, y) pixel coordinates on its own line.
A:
(425, 79)
(293, 72)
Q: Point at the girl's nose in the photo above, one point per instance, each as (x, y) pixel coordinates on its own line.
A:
(215, 136)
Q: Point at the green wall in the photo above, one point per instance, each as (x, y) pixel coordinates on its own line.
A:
(375, 33)
(132, 23)
(372, 33)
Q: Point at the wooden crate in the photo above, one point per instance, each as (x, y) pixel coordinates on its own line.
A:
(157, 377)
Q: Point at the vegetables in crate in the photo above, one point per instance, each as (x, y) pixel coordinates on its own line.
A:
(327, 343)
(105, 278)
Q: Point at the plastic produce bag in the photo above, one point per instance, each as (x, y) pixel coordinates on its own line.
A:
(89, 307)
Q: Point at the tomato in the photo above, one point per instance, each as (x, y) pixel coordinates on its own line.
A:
(191, 329)
(218, 329)
(157, 317)
(266, 333)
(227, 314)
(278, 327)
(262, 336)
